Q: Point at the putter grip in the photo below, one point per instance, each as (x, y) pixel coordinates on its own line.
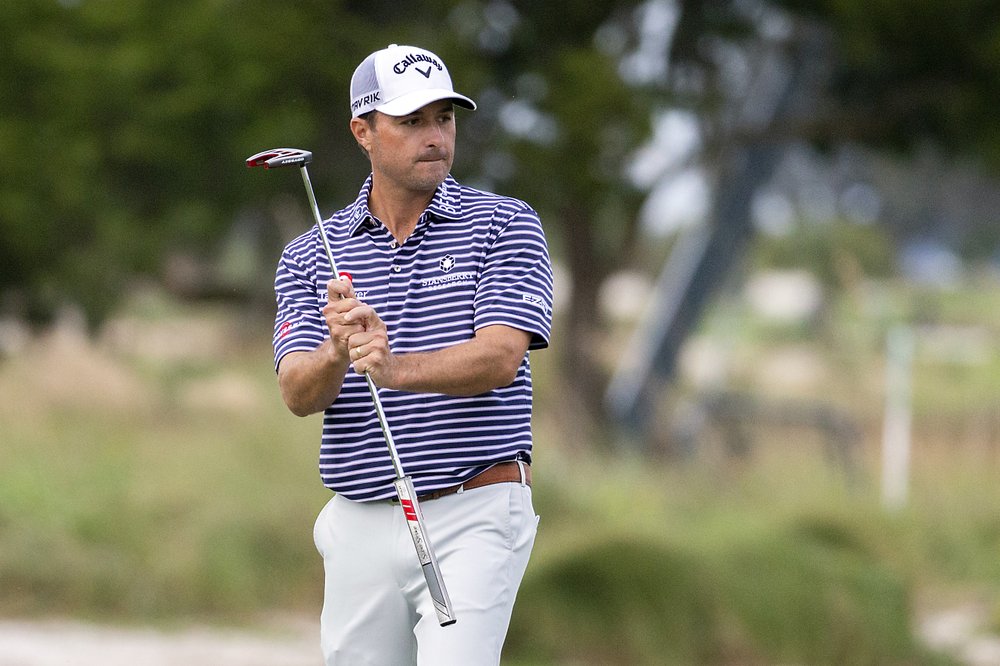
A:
(425, 553)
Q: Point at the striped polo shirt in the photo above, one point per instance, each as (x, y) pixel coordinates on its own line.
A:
(475, 259)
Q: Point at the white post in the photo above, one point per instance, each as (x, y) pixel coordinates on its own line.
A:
(900, 345)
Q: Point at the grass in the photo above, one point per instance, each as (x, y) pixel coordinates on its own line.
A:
(143, 483)
(766, 564)
(157, 507)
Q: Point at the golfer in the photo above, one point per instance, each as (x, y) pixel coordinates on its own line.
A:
(444, 291)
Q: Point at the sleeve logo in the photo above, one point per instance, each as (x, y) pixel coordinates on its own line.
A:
(285, 328)
(537, 301)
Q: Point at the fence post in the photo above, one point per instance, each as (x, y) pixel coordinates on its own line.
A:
(896, 444)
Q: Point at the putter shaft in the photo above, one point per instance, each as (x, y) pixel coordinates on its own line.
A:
(283, 157)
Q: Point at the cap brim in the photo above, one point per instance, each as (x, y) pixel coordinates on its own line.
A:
(407, 104)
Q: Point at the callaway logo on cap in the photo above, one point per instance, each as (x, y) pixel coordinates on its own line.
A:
(398, 80)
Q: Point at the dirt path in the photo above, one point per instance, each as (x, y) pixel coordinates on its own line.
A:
(69, 643)
(961, 631)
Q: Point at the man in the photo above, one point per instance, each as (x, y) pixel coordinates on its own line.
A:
(449, 289)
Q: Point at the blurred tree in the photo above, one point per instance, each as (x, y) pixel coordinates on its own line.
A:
(129, 124)
(899, 74)
(906, 72)
(761, 77)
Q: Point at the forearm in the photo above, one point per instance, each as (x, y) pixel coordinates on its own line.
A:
(311, 381)
(488, 361)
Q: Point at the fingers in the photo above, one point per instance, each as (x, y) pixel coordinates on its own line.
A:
(369, 352)
(362, 345)
(364, 316)
(342, 299)
(339, 289)
(335, 313)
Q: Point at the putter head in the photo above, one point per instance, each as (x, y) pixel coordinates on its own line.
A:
(280, 157)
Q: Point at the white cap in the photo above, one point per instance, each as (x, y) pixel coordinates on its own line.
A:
(398, 80)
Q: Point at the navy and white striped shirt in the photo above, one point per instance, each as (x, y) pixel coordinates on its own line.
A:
(475, 259)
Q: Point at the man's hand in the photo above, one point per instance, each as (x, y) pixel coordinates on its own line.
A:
(341, 301)
(369, 347)
(357, 332)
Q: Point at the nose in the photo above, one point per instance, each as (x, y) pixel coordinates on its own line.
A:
(435, 135)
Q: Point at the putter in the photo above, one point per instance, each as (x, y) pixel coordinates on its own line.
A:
(284, 157)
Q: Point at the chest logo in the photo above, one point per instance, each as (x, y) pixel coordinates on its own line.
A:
(447, 263)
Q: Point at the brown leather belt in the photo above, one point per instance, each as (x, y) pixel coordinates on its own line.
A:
(505, 472)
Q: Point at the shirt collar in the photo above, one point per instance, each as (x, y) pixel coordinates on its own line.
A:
(358, 211)
(447, 200)
(446, 203)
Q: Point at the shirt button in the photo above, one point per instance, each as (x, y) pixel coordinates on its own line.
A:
(396, 269)
(393, 244)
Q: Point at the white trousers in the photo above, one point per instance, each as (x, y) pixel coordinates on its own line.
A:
(376, 608)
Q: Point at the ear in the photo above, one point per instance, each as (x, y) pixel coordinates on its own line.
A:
(362, 133)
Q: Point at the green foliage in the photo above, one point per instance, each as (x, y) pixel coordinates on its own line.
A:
(775, 557)
(798, 598)
(913, 71)
(810, 592)
(130, 124)
(616, 600)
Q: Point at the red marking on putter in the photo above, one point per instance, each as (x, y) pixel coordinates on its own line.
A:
(345, 274)
(408, 510)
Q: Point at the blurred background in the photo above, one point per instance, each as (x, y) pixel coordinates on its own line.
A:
(768, 425)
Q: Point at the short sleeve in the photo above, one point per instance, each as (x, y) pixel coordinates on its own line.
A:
(298, 321)
(515, 285)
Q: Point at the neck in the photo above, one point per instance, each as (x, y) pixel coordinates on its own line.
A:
(398, 209)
